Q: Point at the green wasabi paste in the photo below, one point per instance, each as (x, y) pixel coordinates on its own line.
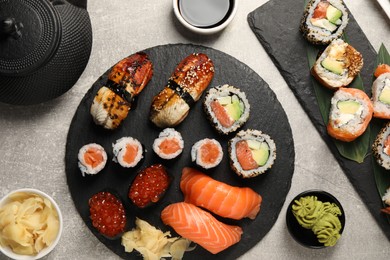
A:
(320, 217)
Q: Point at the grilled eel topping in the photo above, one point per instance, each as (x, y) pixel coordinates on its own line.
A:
(187, 83)
(125, 81)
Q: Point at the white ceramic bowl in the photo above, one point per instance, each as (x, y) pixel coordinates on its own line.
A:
(8, 251)
(200, 30)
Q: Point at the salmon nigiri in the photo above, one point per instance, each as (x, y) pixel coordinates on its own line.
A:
(200, 227)
(220, 198)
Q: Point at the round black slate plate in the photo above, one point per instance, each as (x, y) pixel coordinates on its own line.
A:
(267, 115)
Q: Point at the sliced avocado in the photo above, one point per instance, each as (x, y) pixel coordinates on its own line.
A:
(234, 110)
(384, 97)
(324, 23)
(333, 14)
(332, 65)
(235, 99)
(253, 144)
(225, 100)
(348, 106)
(261, 155)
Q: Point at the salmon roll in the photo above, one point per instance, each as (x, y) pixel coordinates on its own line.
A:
(128, 152)
(207, 153)
(381, 147)
(338, 65)
(169, 144)
(381, 96)
(324, 21)
(227, 108)
(350, 113)
(92, 159)
(251, 153)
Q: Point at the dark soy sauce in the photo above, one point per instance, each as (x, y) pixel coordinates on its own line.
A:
(205, 13)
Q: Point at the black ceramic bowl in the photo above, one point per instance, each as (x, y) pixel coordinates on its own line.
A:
(304, 236)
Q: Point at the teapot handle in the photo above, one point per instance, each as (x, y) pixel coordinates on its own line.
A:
(78, 3)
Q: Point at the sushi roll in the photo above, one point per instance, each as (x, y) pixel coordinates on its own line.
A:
(207, 153)
(127, 151)
(338, 65)
(227, 108)
(381, 147)
(381, 96)
(350, 113)
(92, 159)
(251, 153)
(169, 144)
(324, 21)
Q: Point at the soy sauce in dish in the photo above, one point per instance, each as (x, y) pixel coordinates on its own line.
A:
(205, 13)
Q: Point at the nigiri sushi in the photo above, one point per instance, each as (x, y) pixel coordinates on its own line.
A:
(350, 113)
(125, 81)
(185, 86)
(200, 227)
(220, 198)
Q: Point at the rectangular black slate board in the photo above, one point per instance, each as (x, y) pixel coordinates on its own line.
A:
(276, 25)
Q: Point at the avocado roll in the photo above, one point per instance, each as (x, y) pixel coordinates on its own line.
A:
(251, 153)
(227, 108)
(324, 21)
(338, 65)
(381, 147)
(381, 96)
(350, 113)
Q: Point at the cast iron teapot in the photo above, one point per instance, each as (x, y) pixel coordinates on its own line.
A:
(44, 47)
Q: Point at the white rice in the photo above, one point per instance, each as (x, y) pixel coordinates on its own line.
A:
(377, 87)
(223, 91)
(119, 150)
(197, 157)
(168, 133)
(86, 168)
(386, 197)
(251, 135)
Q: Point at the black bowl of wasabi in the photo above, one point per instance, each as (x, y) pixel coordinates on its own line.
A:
(315, 219)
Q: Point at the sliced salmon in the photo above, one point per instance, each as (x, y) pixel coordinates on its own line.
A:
(209, 152)
(93, 157)
(131, 153)
(220, 198)
(244, 156)
(169, 146)
(200, 227)
(221, 114)
(320, 10)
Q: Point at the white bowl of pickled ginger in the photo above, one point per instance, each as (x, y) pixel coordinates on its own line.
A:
(30, 224)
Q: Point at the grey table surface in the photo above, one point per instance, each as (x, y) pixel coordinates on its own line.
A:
(32, 139)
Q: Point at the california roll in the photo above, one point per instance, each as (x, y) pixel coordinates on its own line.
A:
(381, 96)
(227, 108)
(251, 153)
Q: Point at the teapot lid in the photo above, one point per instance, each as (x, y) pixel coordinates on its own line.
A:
(30, 33)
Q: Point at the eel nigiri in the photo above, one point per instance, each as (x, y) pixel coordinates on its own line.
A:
(125, 81)
(220, 198)
(185, 86)
(200, 227)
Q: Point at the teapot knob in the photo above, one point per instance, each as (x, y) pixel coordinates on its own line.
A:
(10, 27)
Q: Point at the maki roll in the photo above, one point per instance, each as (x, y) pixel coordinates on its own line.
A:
(251, 153)
(338, 65)
(324, 21)
(207, 153)
(350, 113)
(92, 159)
(227, 108)
(381, 147)
(169, 144)
(381, 96)
(127, 152)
